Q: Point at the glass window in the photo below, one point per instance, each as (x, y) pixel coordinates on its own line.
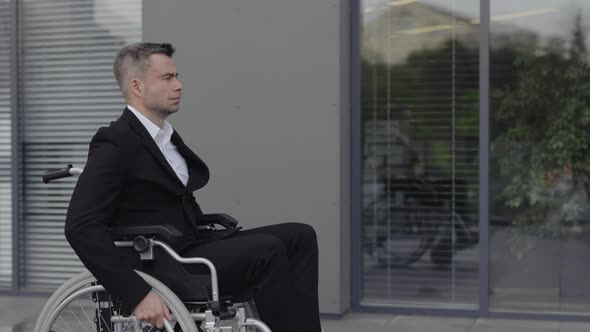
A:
(420, 123)
(540, 156)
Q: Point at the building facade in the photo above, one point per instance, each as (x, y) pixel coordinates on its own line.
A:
(438, 147)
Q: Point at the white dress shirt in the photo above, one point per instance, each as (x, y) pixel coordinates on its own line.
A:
(162, 139)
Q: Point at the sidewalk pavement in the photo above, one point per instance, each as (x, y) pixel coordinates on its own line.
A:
(17, 314)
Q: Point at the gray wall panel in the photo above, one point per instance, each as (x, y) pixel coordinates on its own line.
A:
(266, 106)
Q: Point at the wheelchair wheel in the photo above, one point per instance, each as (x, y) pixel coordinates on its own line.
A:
(81, 304)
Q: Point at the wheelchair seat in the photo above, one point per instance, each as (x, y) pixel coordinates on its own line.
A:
(193, 289)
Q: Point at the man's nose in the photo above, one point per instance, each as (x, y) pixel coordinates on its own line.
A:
(178, 84)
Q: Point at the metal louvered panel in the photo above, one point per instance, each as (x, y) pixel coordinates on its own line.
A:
(68, 91)
(5, 149)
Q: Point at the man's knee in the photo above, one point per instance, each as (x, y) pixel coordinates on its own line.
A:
(305, 235)
(272, 259)
(272, 246)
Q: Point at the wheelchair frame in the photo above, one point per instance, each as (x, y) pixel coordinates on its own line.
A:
(85, 283)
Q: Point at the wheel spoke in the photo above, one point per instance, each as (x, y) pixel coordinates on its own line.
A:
(61, 328)
(129, 321)
(107, 324)
(86, 314)
(72, 312)
(66, 323)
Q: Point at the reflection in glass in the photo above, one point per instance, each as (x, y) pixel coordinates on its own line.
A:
(420, 107)
(540, 156)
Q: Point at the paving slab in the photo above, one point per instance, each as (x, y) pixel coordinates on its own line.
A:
(356, 322)
(409, 323)
(514, 325)
(574, 327)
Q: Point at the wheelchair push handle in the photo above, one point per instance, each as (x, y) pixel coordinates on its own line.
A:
(60, 173)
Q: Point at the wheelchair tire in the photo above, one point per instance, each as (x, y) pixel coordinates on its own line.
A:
(75, 296)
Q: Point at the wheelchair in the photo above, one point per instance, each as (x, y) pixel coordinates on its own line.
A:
(82, 304)
(413, 216)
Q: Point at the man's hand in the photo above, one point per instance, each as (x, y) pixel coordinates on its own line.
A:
(152, 309)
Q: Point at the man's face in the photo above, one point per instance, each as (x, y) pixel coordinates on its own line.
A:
(162, 87)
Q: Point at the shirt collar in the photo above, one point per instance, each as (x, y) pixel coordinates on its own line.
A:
(161, 136)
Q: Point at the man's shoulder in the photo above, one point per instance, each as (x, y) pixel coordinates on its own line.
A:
(118, 132)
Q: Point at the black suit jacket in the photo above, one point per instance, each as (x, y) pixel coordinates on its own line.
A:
(128, 182)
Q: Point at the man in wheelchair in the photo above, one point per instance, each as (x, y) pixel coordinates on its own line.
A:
(139, 172)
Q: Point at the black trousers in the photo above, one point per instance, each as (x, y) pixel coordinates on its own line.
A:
(279, 263)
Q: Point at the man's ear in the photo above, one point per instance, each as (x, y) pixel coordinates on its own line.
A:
(136, 87)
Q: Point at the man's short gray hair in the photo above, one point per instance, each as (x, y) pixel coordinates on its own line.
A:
(133, 60)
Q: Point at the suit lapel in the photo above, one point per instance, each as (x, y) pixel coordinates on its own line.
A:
(149, 143)
(197, 170)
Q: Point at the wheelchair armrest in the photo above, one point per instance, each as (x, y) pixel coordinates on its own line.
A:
(221, 219)
(165, 232)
